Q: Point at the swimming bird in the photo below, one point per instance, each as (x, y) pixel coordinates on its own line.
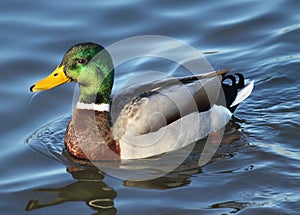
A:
(166, 116)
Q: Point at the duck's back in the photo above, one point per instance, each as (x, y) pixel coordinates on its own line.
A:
(169, 118)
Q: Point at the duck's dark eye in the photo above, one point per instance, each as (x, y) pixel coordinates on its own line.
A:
(81, 61)
(56, 74)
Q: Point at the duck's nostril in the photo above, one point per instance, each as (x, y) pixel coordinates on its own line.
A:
(31, 88)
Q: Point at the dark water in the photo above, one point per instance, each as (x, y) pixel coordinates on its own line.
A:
(256, 174)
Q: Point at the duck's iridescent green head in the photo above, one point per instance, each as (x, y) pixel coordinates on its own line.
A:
(88, 64)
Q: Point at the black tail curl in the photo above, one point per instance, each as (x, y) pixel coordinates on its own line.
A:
(231, 90)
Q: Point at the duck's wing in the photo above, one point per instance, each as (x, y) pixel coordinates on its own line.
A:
(152, 110)
(169, 117)
(177, 113)
(125, 95)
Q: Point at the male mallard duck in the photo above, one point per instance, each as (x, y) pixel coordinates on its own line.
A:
(164, 118)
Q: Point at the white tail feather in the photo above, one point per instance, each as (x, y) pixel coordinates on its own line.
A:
(243, 94)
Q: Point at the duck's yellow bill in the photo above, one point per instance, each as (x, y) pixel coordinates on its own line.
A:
(57, 77)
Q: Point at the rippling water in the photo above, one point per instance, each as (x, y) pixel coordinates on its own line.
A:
(256, 174)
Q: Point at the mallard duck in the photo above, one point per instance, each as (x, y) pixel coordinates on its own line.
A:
(168, 116)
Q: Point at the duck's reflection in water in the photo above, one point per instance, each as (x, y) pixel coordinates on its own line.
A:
(90, 188)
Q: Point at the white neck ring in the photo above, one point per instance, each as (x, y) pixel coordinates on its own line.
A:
(97, 107)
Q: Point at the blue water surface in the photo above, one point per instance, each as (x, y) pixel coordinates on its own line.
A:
(256, 174)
